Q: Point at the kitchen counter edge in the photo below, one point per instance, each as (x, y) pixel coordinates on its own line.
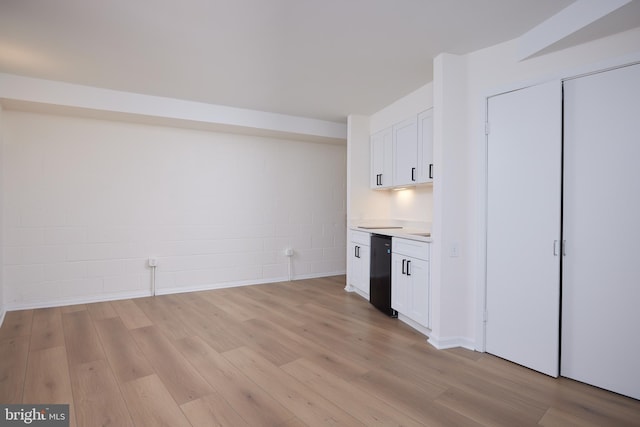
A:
(404, 233)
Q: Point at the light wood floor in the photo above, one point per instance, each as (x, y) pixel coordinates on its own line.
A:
(287, 354)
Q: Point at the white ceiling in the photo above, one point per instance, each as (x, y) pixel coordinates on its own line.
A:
(322, 59)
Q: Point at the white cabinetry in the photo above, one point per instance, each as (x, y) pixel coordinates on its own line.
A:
(381, 159)
(425, 146)
(405, 152)
(410, 286)
(359, 261)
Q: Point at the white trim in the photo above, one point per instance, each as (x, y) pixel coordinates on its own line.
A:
(415, 325)
(29, 92)
(481, 285)
(235, 284)
(359, 292)
(221, 285)
(564, 23)
(147, 293)
(565, 74)
(451, 342)
(29, 305)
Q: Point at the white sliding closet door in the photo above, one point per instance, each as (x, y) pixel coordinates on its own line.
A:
(523, 226)
(601, 269)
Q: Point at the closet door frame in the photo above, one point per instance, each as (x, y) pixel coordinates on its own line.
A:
(482, 168)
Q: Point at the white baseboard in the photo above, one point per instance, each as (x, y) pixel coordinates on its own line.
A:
(235, 284)
(451, 342)
(415, 325)
(28, 305)
(362, 294)
(212, 286)
(438, 342)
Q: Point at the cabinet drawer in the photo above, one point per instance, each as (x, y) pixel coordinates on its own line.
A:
(360, 237)
(411, 248)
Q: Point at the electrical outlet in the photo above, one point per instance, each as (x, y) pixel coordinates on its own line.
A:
(455, 250)
(153, 262)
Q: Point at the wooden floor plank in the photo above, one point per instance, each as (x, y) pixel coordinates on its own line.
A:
(126, 359)
(13, 364)
(130, 314)
(47, 379)
(181, 379)
(80, 337)
(500, 413)
(558, 418)
(212, 410)
(303, 402)
(273, 343)
(73, 308)
(352, 399)
(254, 404)
(97, 396)
(159, 311)
(412, 399)
(207, 321)
(151, 405)
(238, 311)
(101, 310)
(47, 329)
(16, 324)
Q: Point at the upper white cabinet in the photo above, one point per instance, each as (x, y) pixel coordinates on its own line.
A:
(425, 146)
(403, 154)
(382, 159)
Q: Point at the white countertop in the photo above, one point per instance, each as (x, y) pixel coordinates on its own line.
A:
(404, 232)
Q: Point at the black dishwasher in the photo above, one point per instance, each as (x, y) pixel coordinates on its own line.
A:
(380, 282)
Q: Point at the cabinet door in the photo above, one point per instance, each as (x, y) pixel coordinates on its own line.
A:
(382, 159)
(405, 152)
(418, 278)
(425, 146)
(355, 268)
(399, 289)
(359, 262)
(365, 261)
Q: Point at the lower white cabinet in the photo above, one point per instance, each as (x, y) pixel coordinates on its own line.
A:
(359, 261)
(410, 286)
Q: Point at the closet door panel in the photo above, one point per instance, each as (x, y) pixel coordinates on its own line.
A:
(523, 222)
(601, 209)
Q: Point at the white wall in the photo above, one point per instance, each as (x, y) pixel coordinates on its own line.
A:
(2, 306)
(88, 201)
(450, 258)
(461, 146)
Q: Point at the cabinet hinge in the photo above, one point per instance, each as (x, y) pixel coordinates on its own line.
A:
(487, 128)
